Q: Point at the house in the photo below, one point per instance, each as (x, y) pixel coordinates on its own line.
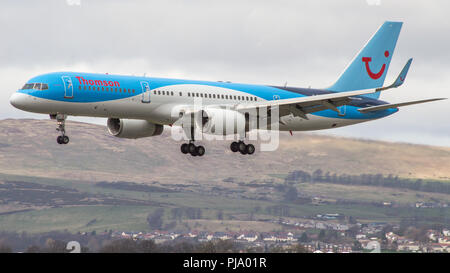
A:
(391, 237)
(432, 235)
(444, 240)
(320, 225)
(413, 248)
(222, 236)
(192, 234)
(249, 237)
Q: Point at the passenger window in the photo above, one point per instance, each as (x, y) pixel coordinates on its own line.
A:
(221, 96)
(116, 89)
(256, 98)
(181, 94)
(84, 87)
(164, 92)
(89, 88)
(171, 93)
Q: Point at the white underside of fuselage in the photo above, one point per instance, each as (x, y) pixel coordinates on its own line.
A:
(159, 110)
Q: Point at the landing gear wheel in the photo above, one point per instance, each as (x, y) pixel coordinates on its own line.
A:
(191, 148)
(59, 139)
(194, 153)
(234, 146)
(250, 149)
(242, 147)
(184, 148)
(200, 150)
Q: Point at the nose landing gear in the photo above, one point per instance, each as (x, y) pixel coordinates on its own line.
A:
(61, 120)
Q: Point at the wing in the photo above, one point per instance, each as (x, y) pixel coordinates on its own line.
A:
(394, 105)
(310, 104)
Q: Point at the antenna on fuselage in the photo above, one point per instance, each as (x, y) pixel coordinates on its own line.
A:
(285, 84)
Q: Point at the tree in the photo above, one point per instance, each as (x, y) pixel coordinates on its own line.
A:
(357, 245)
(5, 248)
(322, 235)
(155, 220)
(317, 175)
(148, 246)
(120, 246)
(55, 246)
(291, 194)
(304, 238)
(220, 215)
(298, 248)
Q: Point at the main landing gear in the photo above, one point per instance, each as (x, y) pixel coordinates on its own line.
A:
(245, 149)
(62, 138)
(192, 149)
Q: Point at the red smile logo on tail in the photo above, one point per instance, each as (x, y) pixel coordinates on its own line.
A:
(374, 76)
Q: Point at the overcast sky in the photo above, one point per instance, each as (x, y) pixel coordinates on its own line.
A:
(306, 43)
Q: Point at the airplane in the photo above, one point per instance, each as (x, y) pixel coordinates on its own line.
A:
(139, 107)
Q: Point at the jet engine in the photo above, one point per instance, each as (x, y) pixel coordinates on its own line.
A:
(132, 128)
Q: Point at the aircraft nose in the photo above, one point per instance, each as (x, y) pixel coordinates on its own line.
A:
(19, 100)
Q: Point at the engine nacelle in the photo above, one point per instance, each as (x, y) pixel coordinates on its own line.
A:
(133, 128)
(222, 121)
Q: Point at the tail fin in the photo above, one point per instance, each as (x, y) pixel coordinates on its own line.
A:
(369, 68)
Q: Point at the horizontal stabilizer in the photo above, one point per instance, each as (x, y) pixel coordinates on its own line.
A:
(394, 105)
(401, 77)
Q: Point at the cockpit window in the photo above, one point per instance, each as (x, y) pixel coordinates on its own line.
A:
(28, 86)
(36, 86)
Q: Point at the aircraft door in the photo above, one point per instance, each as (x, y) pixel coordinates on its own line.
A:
(68, 87)
(342, 110)
(145, 92)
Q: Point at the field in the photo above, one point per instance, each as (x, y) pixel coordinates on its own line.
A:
(99, 182)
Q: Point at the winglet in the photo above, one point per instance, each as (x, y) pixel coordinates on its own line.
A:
(401, 77)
